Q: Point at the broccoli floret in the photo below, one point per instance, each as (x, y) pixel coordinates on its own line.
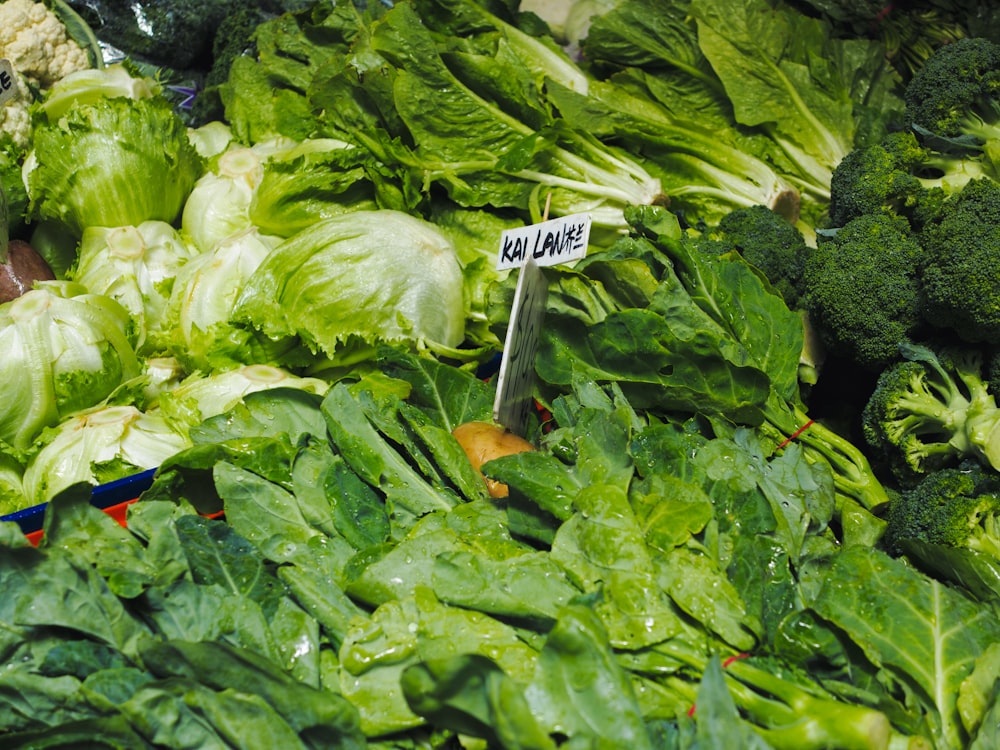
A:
(958, 506)
(959, 278)
(177, 34)
(770, 243)
(898, 175)
(861, 289)
(233, 38)
(931, 410)
(956, 94)
(949, 525)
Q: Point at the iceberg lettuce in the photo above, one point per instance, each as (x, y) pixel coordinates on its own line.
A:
(199, 397)
(11, 485)
(219, 203)
(135, 265)
(98, 446)
(351, 281)
(198, 329)
(112, 162)
(280, 186)
(64, 350)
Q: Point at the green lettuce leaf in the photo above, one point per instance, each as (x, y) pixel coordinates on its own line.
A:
(114, 162)
(372, 276)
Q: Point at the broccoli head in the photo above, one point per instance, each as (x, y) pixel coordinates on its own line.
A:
(955, 95)
(949, 524)
(933, 409)
(959, 277)
(861, 289)
(898, 175)
(770, 243)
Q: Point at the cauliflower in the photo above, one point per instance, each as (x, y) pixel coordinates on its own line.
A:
(37, 44)
(15, 113)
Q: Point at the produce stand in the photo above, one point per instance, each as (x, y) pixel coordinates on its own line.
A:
(541, 376)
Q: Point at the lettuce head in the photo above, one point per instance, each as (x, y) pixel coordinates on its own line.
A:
(113, 162)
(98, 446)
(135, 266)
(219, 203)
(199, 330)
(200, 396)
(357, 279)
(64, 350)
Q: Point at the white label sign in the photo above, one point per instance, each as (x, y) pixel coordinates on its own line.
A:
(548, 243)
(515, 381)
(8, 84)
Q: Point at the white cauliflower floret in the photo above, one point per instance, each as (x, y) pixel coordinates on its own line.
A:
(15, 113)
(36, 42)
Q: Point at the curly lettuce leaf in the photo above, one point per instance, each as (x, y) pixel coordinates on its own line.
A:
(114, 162)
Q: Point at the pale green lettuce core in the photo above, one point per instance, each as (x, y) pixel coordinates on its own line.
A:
(219, 204)
(64, 350)
(97, 446)
(370, 276)
(136, 266)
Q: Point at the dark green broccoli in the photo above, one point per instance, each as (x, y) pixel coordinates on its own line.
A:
(177, 34)
(233, 38)
(931, 410)
(910, 32)
(898, 175)
(770, 243)
(959, 268)
(949, 524)
(861, 289)
(955, 95)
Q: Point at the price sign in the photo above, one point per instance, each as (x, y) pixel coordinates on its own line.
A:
(515, 381)
(8, 84)
(547, 243)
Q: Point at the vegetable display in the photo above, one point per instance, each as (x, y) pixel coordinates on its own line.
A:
(757, 506)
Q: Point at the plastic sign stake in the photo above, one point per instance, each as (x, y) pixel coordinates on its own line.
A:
(547, 243)
(515, 381)
(8, 84)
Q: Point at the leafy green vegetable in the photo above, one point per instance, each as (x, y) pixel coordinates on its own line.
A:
(135, 265)
(916, 629)
(817, 96)
(353, 281)
(199, 329)
(96, 446)
(113, 162)
(65, 350)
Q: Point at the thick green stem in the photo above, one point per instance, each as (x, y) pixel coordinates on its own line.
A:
(852, 473)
